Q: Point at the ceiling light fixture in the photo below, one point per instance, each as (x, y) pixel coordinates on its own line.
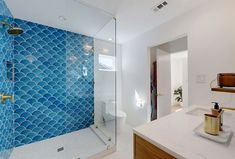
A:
(110, 39)
(62, 18)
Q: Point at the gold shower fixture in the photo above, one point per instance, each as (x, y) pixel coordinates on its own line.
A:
(12, 29)
(5, 97)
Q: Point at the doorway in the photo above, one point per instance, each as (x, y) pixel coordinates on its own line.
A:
(169, 77)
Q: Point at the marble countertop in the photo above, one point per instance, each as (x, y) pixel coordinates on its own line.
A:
(175, 135)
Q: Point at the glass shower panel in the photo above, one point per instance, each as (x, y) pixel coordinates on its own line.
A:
(91, 73)
(79, 81)
(105, 81)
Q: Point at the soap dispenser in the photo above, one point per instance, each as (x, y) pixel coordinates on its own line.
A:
(212, 123)
(216, 111)
(216, 106)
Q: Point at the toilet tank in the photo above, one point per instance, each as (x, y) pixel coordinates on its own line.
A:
(110, 106)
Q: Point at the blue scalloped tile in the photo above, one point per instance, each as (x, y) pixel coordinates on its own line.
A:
(53, 96)
(53, 84)
(6, 110)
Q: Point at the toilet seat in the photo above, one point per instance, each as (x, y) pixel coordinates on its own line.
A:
(110, 114)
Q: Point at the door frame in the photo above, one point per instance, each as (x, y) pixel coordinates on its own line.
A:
(149, 69)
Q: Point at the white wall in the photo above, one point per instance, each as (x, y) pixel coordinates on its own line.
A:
(104, 88)
(211, 38)
(176, 45)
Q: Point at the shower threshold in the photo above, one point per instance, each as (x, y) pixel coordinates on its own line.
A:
(82, 144)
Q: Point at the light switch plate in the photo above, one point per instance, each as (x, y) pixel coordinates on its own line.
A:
(201, 79)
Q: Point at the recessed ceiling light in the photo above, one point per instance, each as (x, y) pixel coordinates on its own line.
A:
(62, 18)
(110, 39)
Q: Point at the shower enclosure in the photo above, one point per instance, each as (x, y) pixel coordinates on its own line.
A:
(56, 82)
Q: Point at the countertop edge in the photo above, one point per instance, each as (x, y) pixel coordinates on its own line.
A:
(180, 147)
(167, 150)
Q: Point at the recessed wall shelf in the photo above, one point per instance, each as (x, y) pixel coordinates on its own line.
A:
(227, 90)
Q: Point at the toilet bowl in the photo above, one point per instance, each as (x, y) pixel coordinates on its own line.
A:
(109, 114)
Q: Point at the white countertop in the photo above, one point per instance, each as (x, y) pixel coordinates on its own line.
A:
(174, 134)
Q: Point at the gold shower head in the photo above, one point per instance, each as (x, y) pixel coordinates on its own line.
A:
(12, 29)
(15, 31)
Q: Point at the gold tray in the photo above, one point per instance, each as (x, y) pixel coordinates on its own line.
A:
(224, 137)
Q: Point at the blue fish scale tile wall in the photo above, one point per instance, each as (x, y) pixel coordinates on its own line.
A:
(53, 83)
(40, 76)
(6, 109)
(79, 82)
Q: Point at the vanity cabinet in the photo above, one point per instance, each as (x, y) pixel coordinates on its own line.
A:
(145, 150)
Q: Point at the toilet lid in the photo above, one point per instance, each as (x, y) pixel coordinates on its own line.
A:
(119, 113)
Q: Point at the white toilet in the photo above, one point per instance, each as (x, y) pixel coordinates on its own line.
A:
(108, 111)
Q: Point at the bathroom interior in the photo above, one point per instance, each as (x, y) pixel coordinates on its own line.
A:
(58, 85)
(117, 79)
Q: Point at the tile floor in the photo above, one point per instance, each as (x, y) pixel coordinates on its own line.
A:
(124, 145)
(83, 140)
(176, 108)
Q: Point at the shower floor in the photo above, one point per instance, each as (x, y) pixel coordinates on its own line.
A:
(77, 145)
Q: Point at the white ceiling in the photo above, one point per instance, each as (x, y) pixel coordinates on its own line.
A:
(136, 16)
(80, 17)
(89, 17)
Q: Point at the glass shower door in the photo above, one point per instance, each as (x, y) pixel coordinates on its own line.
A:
(105, 82)
(91, 74)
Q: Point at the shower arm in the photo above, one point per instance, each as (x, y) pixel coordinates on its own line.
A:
(4, 23)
